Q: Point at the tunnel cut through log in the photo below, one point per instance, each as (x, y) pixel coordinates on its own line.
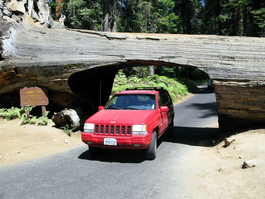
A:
(95, 84)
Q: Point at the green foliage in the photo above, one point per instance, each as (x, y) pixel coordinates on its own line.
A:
(223, 17)
(234, 17)
(27, 119)
(67, 130)
(176, 89)
(147, 16)
(23, 114)
(259, 17)
(10, 114)
(82, 14)
(44, 120)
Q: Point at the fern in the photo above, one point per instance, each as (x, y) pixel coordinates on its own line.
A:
(10, 114)
(44, 120)
(67, 130)
(23, 115)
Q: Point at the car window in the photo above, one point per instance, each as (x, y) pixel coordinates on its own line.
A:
(164, 99)
(132, 102)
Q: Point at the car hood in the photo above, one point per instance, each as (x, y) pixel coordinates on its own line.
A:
(121, 116)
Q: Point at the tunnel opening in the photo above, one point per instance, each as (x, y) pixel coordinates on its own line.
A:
(95, 84)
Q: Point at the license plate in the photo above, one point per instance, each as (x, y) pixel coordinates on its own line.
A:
(110, 141)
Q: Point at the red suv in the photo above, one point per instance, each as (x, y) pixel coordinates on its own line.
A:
(132, 119)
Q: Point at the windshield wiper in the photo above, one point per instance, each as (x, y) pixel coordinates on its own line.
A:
(131, 108)
(112, 107)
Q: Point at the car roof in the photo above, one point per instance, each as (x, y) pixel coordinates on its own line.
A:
(137, 92)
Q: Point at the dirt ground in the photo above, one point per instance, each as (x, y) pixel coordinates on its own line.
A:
(25, 142)
(236, 171)
(218, 172)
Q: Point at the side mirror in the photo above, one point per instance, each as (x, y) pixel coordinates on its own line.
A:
(100, 108)
(164, 109)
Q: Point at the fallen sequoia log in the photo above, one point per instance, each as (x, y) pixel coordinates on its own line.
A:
(78, 66)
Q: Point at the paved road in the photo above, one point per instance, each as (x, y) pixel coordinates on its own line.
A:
(118, 174)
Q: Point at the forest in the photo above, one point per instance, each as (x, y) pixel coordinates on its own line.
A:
(218, 17)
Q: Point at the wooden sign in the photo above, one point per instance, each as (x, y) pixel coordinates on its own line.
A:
(34, 96)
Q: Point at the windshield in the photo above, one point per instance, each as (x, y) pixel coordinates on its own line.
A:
(132, 102)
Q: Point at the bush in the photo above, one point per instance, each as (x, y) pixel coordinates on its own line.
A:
(10, 114)
(22, 113)
(176, 89)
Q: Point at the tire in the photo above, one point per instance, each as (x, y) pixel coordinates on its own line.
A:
(94, 151)
(150, 153)
(170, 129)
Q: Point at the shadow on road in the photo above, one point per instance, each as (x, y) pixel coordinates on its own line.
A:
(210, 107)
(116, 155)
(195, 136)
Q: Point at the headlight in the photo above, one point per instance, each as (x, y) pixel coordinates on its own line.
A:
(89, 127)
(139, 129)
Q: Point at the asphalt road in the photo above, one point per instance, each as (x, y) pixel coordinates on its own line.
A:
(119, 174)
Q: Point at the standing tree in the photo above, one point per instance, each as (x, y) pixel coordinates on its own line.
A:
(212, 18)
(109, 23)
(82, 14)
(188, 12)
(150, 16)
(234, 17)
(258, 13)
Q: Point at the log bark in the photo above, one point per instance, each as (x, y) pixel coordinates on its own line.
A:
(240, 104)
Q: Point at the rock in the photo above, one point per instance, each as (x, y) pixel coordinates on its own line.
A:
(16, 6)
(227, 143)
(247, 164)
(59, 24)
(220, 169)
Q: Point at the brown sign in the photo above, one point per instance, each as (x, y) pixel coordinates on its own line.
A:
(33, 96)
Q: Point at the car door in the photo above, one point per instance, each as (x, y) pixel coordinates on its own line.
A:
(164, 116)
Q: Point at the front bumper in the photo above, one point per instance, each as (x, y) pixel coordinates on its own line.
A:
(123, 142)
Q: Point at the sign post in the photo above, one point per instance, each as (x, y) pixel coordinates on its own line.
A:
(34, 96)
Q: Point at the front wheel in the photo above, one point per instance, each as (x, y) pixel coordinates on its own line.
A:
(170, 129)
(150, 153)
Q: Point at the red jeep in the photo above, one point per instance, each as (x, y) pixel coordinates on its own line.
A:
(132, 119)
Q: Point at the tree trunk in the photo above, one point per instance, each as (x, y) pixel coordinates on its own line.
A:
(151, 70)
(109, 22)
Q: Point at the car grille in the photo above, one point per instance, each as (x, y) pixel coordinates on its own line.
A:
(113, 130)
